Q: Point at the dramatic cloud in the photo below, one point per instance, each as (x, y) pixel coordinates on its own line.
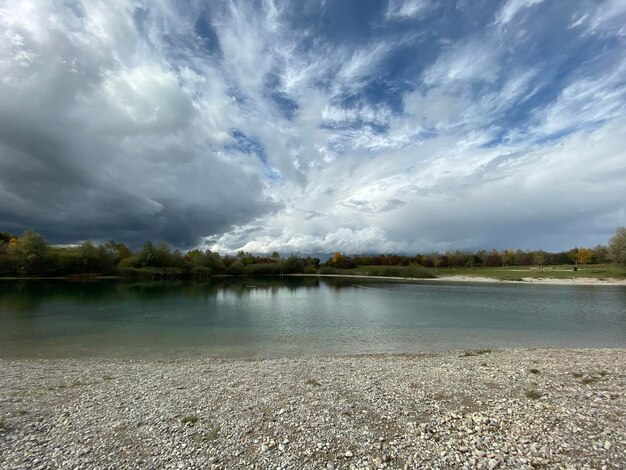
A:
(313, 127)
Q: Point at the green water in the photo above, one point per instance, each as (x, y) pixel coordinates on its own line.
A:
(271, 317)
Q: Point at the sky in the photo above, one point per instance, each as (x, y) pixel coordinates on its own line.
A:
(314, 126)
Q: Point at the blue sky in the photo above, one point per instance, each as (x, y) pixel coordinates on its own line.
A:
(315, 126)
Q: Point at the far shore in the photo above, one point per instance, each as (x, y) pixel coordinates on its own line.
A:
(573, 281)
(582, 281)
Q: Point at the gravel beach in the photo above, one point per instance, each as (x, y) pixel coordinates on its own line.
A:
(474, 409)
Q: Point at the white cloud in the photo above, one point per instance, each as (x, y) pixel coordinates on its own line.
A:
(512, 8)
(587, 102)
(344, 239)
(150, 97)
(408, 9)
(473, 61)
(608, 18)
(459, 201)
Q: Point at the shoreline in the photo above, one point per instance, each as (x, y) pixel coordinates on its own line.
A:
(506, 408)
(581, 281)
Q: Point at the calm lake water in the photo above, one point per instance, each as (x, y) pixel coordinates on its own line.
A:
(271, 317)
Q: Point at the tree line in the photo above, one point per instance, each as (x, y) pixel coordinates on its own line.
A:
(30, 255)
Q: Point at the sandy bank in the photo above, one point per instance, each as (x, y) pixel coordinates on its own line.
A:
(507, 408)
(582, 281)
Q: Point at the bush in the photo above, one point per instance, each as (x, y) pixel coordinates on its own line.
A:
(201, 272)
(129, 263)
(412, 271)
(152, 273)
(293, 265)
(533, 394)
(263, 269)
(236, 268)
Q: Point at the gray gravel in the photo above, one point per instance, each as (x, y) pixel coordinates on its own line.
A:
(506, 408)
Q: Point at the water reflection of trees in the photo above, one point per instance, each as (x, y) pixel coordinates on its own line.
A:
(28, 295)
(25, 295)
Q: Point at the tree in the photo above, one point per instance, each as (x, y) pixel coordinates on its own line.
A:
(337, 258)
(6, 237)
(493, 259)
(30, 251)
(205, 259)
(455, 259)
(235, 268)
(245, 257)
(483, 255)
(164, 255)
(436, 262)
(314, 262)
(118, 250)
(617, 246)
(148, 256)
(87, 257)
(539, 257)
(600, 254)
(293, 265)
(509, 258)
(7, 261)
(584, 255)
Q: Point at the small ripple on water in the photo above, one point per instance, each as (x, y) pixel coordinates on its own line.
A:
(272, 317)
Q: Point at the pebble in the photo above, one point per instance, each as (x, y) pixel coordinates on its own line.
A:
(415, 411)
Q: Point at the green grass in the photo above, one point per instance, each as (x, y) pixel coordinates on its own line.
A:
(193, 419)
(512, 273)
(475, 352)
(589, 380)
(533, 394)
(599, 271)
(199, 438)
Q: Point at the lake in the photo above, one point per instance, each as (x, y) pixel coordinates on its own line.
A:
(269, 317)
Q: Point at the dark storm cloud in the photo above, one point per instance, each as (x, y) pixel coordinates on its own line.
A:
(111, 144)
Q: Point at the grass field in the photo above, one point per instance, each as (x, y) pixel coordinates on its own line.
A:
(598, 271)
